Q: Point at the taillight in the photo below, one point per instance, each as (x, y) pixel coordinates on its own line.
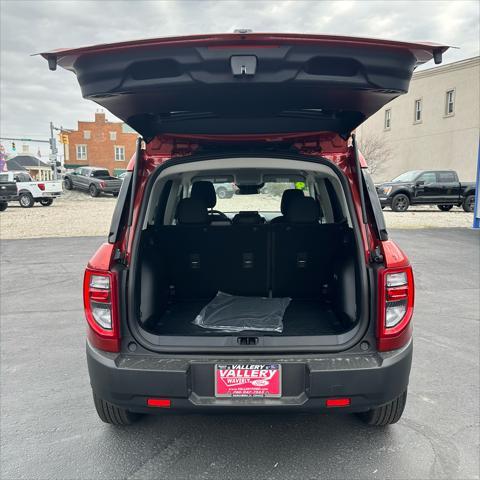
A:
(395, 309)
(100, 303)
(41, 186)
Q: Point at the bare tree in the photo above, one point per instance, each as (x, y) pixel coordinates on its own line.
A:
(376, 152)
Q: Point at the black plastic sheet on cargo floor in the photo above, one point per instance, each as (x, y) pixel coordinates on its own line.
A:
(231, 313)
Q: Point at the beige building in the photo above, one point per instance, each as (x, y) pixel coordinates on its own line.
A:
(435, 125)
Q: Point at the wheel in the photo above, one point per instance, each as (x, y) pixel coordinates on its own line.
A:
(469, 203)
(400, 203)
(93, 189)
(112, 414)
(3, 206)
(445, 208)
(68, 184)
(26, 200)
(222, 192)
(386, 414)
(46, 202)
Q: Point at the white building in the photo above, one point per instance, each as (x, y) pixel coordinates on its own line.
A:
(436, 125)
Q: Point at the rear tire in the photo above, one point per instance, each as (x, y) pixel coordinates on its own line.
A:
(113, 415)
(400, 203)
(469, 203)
(3, 206)
(46, 202)
(445, 208)
(93, 190)
(386, 414)
(68, 184)
(26, 200)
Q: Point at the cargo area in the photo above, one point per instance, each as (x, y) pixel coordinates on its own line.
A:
(192, 257)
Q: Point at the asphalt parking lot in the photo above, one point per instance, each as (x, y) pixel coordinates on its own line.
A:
(49, 429)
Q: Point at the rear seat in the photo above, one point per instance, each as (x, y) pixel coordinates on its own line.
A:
(290, 259)
(303, 251)
(204, 259)
(188, 253)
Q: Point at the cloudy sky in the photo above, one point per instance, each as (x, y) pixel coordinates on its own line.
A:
(31, 95)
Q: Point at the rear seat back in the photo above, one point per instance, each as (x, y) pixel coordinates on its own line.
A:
(186, 247)
(242, 259)
(292, 259)
(303, 258)
(303, 251)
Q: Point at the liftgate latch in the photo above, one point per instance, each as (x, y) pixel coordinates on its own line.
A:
(243, 65)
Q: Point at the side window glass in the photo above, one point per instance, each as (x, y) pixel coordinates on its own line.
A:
(428, 177)
(446, 177)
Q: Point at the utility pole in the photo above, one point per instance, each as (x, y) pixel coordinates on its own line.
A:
(53, 148)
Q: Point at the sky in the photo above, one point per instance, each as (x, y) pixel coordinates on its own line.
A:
(31, 95)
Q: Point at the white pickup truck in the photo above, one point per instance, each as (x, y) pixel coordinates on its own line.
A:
(30, 191)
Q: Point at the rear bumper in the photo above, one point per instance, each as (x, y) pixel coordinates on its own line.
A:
(370, 380)
(48, 195)
(110, 189)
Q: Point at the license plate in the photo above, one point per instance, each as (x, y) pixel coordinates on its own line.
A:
(248, 380)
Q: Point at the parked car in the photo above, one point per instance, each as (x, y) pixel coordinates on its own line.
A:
(8, 190)
(94, 180)
(427, 187)
(169, 299)
(30, 191)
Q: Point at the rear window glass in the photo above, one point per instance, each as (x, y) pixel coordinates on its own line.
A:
(268, 198)
(100, 173)
(4, 177)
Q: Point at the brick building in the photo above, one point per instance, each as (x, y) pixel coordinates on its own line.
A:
(100, 144)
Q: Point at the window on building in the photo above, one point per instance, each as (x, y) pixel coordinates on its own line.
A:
(119, 153)
(418, 111)
(388, 119)
(447, 177)
(87, 135)
(450, 102)
(81, 152)
(113, 136)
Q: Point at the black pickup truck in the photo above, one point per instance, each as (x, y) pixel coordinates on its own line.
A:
(94, 180)
(8, 191)
(427, 187)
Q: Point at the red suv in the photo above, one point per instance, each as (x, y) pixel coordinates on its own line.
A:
(288, 295)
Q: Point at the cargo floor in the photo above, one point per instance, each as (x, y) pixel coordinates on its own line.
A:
(302, 317)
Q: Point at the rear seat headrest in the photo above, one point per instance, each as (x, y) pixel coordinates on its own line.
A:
(191, 211)
(287, 197)
(248, 218)
(205, 191)
(303, 210)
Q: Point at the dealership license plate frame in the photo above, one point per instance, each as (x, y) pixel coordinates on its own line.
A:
(220, 392)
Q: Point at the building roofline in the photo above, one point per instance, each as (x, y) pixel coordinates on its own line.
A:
(449, 67)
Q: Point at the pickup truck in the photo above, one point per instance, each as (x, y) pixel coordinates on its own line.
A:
(8, 191)
(29, 191)
(427, 187)
(94, 180)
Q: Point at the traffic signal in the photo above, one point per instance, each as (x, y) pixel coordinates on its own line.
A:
(14, 148)
(63, 138)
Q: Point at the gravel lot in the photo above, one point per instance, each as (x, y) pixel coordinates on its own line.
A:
(50, 430)
(76, 214)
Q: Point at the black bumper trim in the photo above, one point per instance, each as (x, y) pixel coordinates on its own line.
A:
(369, 380)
